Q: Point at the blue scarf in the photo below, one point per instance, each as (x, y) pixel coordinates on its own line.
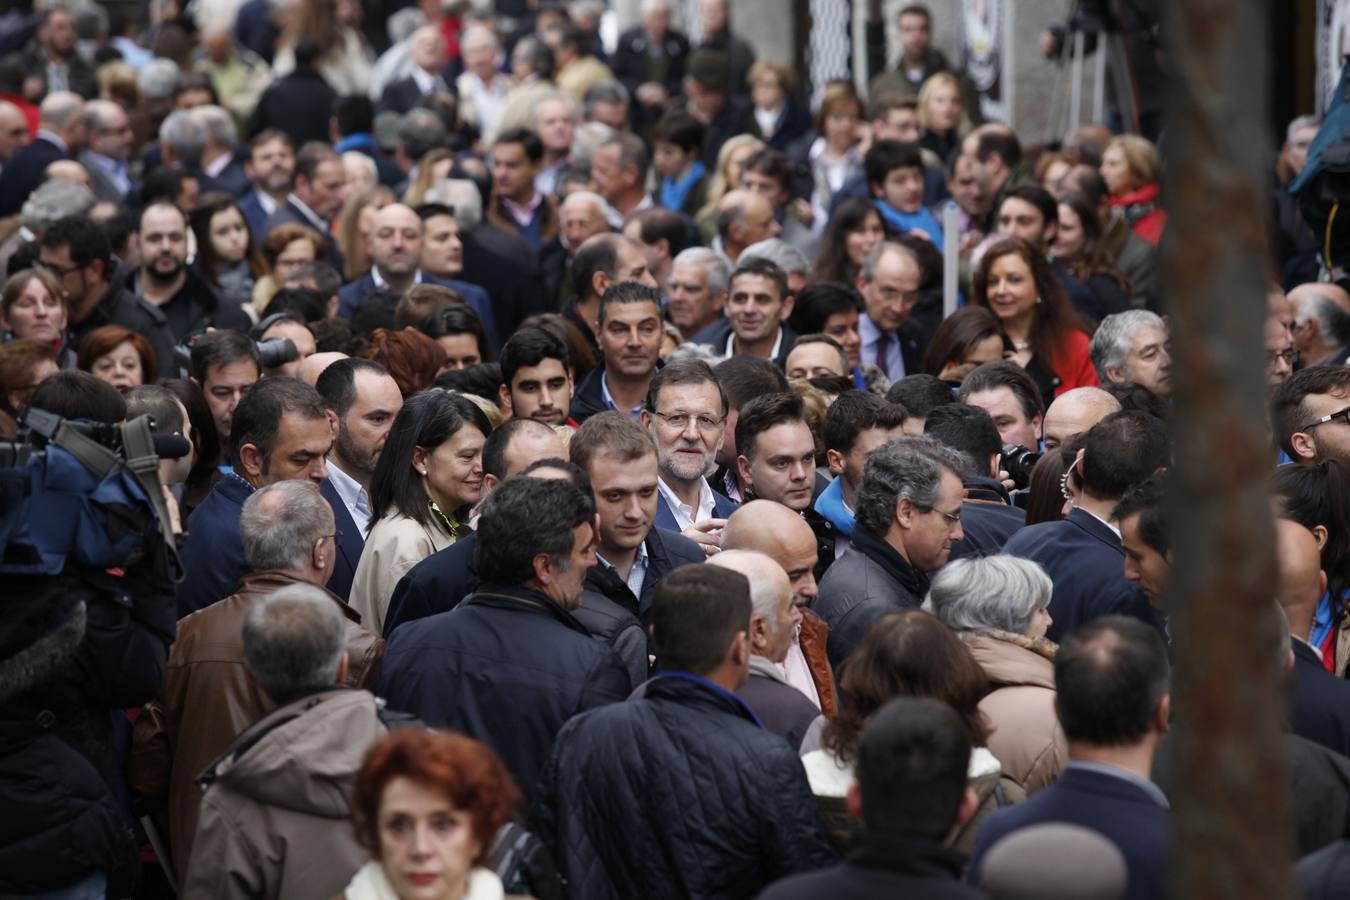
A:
(830, 504)
(903, 222)
(674, 191)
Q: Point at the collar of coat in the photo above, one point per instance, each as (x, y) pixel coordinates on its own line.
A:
(908, 855)
(875, 548)
(688, 688)
(524, 599)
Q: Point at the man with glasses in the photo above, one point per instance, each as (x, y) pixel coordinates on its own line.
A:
(907, 517)
(686, 413)
(1083, 553)
(889, 284)
(1281, 357)
(1311, 414)
(108, 153)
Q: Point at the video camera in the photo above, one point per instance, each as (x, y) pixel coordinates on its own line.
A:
(84, 494)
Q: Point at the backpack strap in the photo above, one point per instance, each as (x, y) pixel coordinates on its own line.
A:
(143, 463)
(95, 457)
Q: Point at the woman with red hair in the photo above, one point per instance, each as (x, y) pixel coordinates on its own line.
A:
(119, 356)
(427, 804)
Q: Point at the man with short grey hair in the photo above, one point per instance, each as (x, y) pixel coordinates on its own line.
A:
(182, 139)
(698, 290)
(889, 283)
(276, 813)
(908, 515)
(1321, 323)
(774, 620)
(1133, 347)
(220, 171)
(209, 696)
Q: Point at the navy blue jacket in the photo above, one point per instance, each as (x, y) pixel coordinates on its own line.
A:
(1325, 875)
(232, 180)
(254, 215)
(1319, 702)
(666, 550)
(678, 794)
(723, 507)
(987, 518)
(507, 667)
(1085, 560)
(24, 171)
(289, 214)
(883, 867)
(352, 293)
(213, 557)
(349, 545)
(1113, 807)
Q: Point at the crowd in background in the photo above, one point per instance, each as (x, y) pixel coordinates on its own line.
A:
(587, 494)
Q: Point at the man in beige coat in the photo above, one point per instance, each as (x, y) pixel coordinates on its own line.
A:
(276, 817)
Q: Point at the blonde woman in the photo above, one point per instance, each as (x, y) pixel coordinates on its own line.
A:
(942, 114)
(726, 178)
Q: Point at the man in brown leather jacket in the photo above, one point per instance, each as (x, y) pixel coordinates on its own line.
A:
(209, 696)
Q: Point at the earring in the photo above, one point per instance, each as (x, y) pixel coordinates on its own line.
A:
(1038, 299)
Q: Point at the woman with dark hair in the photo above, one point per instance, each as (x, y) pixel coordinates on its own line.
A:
(119, 356)
(907, 654)
(429, 476)
(411, 358)
(831, 308)
(1078, 248)
(226, 257)
(967, 338)
(854, 229)
(427, 805)
(23, 365)
(460, 333)
(1049, 339)
(205, 471)
(1054, 487)
(1318, 498)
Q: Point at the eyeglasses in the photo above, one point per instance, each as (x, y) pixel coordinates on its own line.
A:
(1342, 414)
(59, 271)
(336, 536)
(951, 518)
(1289, 356)
(680, 421)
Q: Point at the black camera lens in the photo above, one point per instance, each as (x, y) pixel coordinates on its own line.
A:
(277, 352)
(1018, 461)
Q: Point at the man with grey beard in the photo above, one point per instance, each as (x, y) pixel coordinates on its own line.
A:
(686, 412)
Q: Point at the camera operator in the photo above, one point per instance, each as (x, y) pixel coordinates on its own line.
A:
(75, 650)
(225, 364)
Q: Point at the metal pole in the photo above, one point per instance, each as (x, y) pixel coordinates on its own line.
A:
(1232, 833)
(1076, 80)
(1008, 66)
(1099, 81)
(951, 259)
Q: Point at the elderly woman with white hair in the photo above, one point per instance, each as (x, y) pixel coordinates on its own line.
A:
(998, 606)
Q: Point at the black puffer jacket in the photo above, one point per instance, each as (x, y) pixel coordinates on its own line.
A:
(678, 794)
(70, 654)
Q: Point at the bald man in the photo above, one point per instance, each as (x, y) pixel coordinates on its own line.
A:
(783, 535)
(395, 248)
(1321, 324)
(743, 218)
(1319, 702)
(312, 366)
(13, 130)
(1073, 413)
(68, 170)
(774, 620)
(61, 135)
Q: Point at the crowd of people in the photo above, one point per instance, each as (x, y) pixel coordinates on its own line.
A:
(585, 494)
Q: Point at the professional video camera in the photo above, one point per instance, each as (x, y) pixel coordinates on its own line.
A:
(272, 353)
(84, 494)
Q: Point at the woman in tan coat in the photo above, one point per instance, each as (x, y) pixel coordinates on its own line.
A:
(997, 604)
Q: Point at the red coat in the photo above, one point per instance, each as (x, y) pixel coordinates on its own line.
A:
(1073, 363)
(1143, 211)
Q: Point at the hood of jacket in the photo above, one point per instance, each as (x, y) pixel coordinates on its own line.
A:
(1011, 659)
(830, 504)
(303, 756)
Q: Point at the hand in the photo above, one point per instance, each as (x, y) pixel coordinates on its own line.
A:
(1008, 483)
(651, 94)
(802, 211)
(707, 534)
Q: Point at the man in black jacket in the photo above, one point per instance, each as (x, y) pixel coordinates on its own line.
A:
(76, 251)
(908, 517)
(681, 793)
(619, 457)
(511, 663)
(911, 791)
